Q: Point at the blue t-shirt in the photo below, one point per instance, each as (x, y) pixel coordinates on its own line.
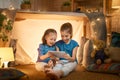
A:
(43, 49)
(67, 48)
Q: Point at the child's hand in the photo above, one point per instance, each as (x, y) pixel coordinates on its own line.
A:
(49, 54)
(67, 56)
(57, 59)
(51, 63)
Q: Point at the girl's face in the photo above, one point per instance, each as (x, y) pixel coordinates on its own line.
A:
(65, 36)
(51, 39)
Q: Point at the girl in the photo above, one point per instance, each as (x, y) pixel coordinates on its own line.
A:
(48, 44)
(69, 46)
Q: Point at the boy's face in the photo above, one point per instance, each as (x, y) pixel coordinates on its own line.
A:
(65, 36)
(51, 39)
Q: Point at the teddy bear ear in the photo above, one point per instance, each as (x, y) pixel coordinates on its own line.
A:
(103, 42)
(94, 41)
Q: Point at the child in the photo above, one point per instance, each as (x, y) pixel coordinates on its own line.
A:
(69, 46)
(48, 44)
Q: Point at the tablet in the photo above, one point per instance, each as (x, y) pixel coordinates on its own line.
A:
(59, 54)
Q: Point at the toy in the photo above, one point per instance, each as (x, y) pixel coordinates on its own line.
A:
(100, 53)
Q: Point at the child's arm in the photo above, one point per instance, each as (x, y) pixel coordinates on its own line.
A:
(74, 53)
(47, 55)
(73, 58)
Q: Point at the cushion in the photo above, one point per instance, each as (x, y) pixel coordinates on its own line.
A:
(80, 50)
(108, 68)
(10, 73)
(114, 53)
(98, 28)
(87, 60)
(115, 41)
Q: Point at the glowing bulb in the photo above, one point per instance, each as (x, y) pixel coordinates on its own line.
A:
(94, 46)
(98, 19)
(6, 64)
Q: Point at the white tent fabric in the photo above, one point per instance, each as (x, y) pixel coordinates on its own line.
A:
(29, 33)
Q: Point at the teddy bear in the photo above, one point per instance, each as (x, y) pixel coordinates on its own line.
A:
(100, 53)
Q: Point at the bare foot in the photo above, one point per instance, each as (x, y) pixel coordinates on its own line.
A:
(52, 63)
(47, 68)
(52, 76)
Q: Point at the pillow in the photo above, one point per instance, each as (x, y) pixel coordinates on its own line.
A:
(10, 73)
(108, 68)
(115, 41)
(98, 28)
(80, 50)
(87, 60)
(114, 53)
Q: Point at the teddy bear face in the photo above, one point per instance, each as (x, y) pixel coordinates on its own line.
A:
(99, 44)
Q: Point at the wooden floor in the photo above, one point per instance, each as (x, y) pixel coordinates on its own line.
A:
(31, 73)
(79, 74)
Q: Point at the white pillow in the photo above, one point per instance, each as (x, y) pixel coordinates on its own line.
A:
(87, 60)
(80, 50)
(114, 53)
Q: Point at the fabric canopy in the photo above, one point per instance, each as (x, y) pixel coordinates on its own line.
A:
(29, 33)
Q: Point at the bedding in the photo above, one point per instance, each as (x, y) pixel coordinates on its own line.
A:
(10, 74)
(97, 25)
(87, 60)
(113, 67)
(115, 41)
(106, 68)
(80, 50)
(114, 53)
